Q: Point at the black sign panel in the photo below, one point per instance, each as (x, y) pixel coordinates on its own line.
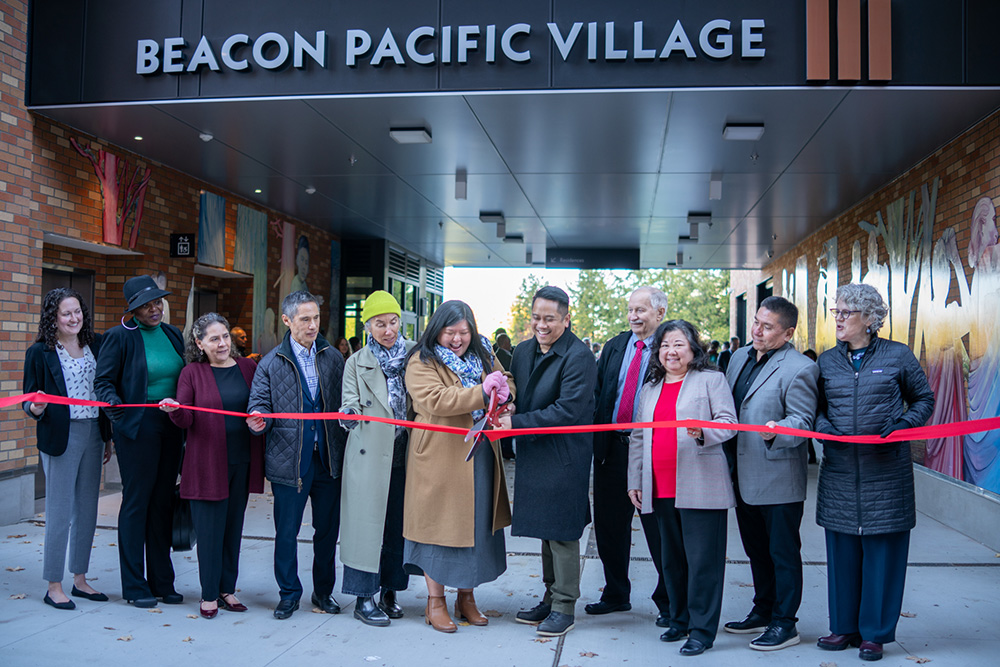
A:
(592, 258)
(182, 245)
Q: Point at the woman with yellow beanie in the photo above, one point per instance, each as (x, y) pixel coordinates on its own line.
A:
(371, 509)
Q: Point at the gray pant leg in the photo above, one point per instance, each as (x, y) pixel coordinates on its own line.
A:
(88, 489)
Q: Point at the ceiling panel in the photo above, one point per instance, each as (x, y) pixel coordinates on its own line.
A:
(485, 192)
(590, 195)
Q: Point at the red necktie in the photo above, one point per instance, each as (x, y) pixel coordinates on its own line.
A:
(631, 386)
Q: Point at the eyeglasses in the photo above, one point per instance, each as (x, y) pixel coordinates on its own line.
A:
(842, 314)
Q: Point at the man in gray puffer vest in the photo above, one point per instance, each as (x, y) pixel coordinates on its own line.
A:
(303, 459)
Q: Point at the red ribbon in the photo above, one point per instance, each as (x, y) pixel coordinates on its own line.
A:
(919, 433)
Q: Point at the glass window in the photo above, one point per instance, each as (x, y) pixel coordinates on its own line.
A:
(411, 298)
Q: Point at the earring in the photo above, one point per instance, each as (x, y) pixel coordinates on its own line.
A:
(868, 329)
(127, 326)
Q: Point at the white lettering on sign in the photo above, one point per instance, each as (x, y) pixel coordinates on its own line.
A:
(716, 40)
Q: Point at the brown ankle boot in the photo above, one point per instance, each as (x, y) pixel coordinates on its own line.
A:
(465, 609)
(437, 614)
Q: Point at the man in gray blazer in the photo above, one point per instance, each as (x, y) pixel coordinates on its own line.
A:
(772, 385)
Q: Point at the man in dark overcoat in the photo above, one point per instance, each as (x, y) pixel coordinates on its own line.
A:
(555, 374)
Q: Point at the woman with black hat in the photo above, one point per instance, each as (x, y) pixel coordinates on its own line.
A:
(139, 362)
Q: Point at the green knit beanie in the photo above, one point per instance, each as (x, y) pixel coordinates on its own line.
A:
(380, 302)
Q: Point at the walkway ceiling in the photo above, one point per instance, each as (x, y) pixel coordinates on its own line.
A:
(567, 170)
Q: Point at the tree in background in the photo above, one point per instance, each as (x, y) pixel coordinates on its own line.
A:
(598, 301)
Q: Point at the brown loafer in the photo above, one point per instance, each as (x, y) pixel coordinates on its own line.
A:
(835, 642)
(437, 616)
(466, 610)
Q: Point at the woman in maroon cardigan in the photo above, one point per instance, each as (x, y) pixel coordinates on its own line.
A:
(223, 461)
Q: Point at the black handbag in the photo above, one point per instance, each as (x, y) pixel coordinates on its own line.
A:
(183, 536)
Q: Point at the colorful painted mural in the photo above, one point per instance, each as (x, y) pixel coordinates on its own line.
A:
(950, 320)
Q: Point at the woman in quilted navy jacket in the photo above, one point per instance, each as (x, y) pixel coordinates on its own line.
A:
(868, 386)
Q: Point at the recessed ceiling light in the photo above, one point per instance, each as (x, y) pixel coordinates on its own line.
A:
(257, 191)
(410, 135)
(137, 137)
(206, 137)
(743, 131)
(310, 190)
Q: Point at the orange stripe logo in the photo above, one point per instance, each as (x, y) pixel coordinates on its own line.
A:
(848, 36)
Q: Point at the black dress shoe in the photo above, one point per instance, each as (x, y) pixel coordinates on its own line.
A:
(67, 605)
(694, 647)
(535, 615)
(753, 624)
(605, 607)
(673, 635)
(285, 609)
(663, 620)
(836, 642)
(870, 651)
(776, 637)
(326, 603)
(93, 597)
(556, 624)
(172, 598)
(369, 613)
(387, 603)
(143, 603)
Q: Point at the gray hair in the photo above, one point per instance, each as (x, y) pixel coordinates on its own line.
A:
(191, 351)
(657, 299)
(290, 304)
(866, 299)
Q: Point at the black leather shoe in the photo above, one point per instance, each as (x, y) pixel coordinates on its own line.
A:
(327, 604)
(369, 613)
(753, 624)
(387, 603)
(535, 615)
(663, 620)
(93, 597)
(838, 642)
(776, 637)
(144, 603)
(870, 651)
(673, 635)
(172, 598)
(67, 605)
(556, 624)
(605, 607)
(285, 609)
(694, 647)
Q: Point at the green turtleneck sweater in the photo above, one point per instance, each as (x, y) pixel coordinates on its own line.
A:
(163, 364)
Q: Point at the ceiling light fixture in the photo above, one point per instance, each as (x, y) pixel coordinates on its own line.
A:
(501, 230)
(257, 191)
(529, 258)
(410, 135)
(491, 216)
(743, 131)
(137, 138)
(206, 137)
(680, 258)
(513, 238)
(461, 184)
(715, 188)
(310, 190)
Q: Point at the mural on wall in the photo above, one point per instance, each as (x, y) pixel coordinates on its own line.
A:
(300, 280)
(795, 287)
(957, 323)
(286, 273)
(251, 257)
(123, 190)
(333, 324)
(212, 230)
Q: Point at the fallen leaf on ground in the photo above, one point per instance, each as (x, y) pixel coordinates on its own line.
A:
(827, 664)
(108, 628)
(317, 610)
(464, 624)
(587, 654)
(15, 569)
(126, 638)
(16, 596)
(187, 639)
(541, 641)
(907, 614)
(166, 625)
(492, 613)
(917, 660)
(112, 544)
(533, 576)
(372, 658)
(17, 537)
(155, 611)
(192, 616)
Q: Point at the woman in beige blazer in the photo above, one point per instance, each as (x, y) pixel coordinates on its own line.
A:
(681, 475)
(455, 511)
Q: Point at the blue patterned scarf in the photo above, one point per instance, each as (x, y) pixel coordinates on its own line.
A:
(469, 371)
(392, 361)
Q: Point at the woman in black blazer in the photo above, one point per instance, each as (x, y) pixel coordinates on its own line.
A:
(139, 364)
(73, 441)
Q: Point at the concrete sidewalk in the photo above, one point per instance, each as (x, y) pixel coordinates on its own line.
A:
(950, 610)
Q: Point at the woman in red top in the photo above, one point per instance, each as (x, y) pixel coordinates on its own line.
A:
(681, 475)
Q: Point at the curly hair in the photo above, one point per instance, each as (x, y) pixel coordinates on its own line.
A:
(865, 298)
(192, 353)
(700, 362)
(47, 327)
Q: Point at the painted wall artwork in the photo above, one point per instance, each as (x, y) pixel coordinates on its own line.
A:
(333, 324)
(212, 230)
(942, 303)
(251, 257)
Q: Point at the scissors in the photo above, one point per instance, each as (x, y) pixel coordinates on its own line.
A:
(491, 418)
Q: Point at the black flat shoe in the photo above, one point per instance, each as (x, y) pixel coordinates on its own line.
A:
(285, 609)
(673, 635)
(93, 597)
(387, 603)
(369, 613)
(172, 598)
(603, 607)
(694, 647)
(327, 604)
(143, 603)
(68, 605)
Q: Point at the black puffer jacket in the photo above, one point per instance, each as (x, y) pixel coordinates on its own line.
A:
(868, 489)
(277, 388)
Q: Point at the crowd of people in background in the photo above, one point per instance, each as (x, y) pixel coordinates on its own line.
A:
(413, 501)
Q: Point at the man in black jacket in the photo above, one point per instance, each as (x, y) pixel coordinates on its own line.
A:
(555, 374)
(620, 374)
(302, 459)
